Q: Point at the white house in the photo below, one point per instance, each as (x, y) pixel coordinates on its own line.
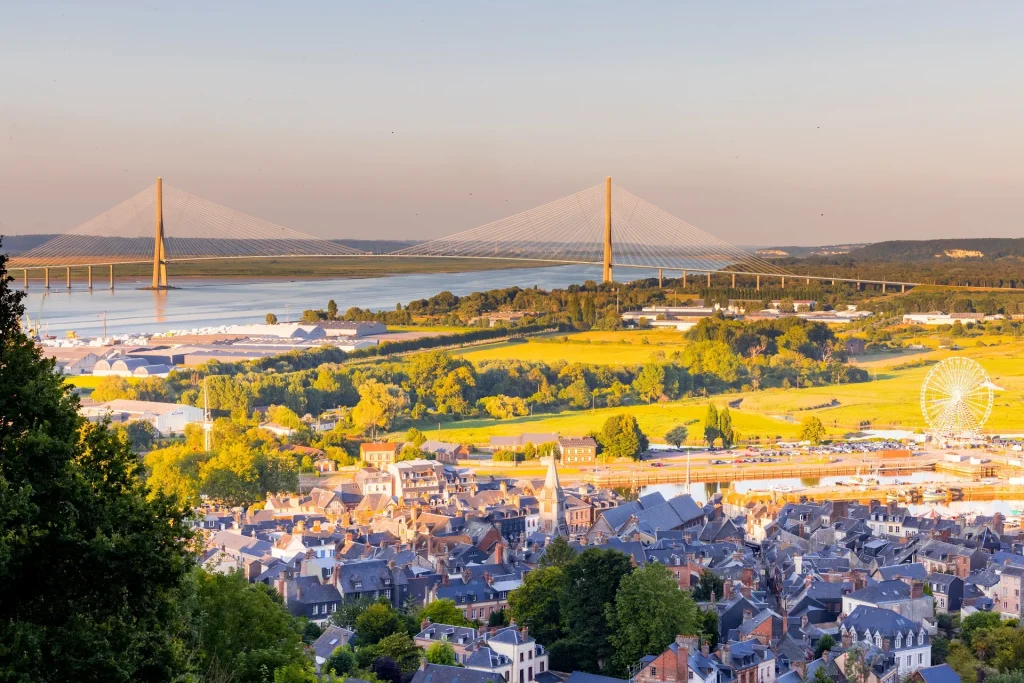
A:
(906, 639)
(166, 418)
(512, 654)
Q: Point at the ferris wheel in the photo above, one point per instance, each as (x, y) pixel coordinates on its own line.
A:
(956, 398)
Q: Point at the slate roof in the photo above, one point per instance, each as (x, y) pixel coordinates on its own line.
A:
(883, 591)
(915, 570)
(510, 635)
(880, 620)
(436, 673)
(332, 638)
(942, 673)
(487, 658)
(584, 677)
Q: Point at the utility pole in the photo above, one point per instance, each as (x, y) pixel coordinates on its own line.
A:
(206, 416)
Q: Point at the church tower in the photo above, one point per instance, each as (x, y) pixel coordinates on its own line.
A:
(552, 503)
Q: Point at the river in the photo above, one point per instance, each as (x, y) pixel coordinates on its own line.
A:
(209, 302)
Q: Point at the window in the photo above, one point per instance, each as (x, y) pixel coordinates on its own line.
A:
(540, 667)
(530, 671)
(920, 638)
(316, 609)
(529, 654)
(908, 660)
(920, 659)
(899, 640)
(878, 640)
(521, 676)
(654, 671)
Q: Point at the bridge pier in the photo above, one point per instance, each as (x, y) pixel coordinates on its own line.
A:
(758, 285)
(709, 279)
(111, 277)
(734, 280)
(90, 277)
(783, 281)
(684, 279)
(808, 281)
(69, 277)
(46, 277)
(660, 279)
(903, 289)
(26, 277)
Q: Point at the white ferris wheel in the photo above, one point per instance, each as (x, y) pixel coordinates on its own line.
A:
(956, 398)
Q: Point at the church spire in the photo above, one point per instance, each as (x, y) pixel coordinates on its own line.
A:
(552, 503)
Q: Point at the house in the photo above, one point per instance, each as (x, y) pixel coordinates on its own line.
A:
(461, 638)
(672, 665)
(417, 479)
(438, 673)
(518, 443)
(942, 673)
(577, 450)
(73, 360)
(306, 597)
(379, 455)
(444, 452)
(167, 418)
(892, 633)
(526, 658)
(898, 596)
(939, 557)
(1008, 595)
(330, 640)
(277, 429)
(947, 590)
(749, 661)
(371, 481)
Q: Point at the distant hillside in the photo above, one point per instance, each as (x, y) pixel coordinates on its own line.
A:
(19, 244)
(804, 252)
(982, 248)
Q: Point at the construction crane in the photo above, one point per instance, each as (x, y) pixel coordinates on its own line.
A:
(36, 332)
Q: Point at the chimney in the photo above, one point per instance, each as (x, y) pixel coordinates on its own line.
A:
(745, 591)
(840, 618)
(826, 656)
(705, 648)
(467, 575)
(712, 598)
(727, 590)
(444, 579)
(282, 589)
(723, 653)
(682, 659)
(808, 580)
(424, 624)
(526, 632)
(747, 576)
(886, 644)
(917, 589)
(748, 614)
(423, 663)
(316, 526)
(583, 540)
(847, 638)
(800, 667)
(803, 622)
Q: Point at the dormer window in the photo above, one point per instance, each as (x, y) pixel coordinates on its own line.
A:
(899, 640)
(920, 638)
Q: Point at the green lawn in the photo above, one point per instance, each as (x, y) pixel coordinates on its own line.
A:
(890, 399)
(629, 347)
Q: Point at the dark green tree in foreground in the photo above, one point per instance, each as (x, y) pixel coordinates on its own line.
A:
(90, 564)
(708, 583)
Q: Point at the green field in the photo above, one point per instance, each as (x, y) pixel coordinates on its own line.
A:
(627, 347)
(889, 400)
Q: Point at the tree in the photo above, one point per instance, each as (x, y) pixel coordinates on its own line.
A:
(649, 612)
(826, 642)
(677, 435)
(399, 647)
(558, 553)
(415, 437)
(650, 382)
(442, 653)
(725, 428)
(591, 583)
(239, 630)
(821, 675)
(621, 437)
(812, 430)
(377, 622)
(498, 619)
(332, 310)
(708, 583)
(271, 319)
(387, 670)
(711, 425)
(72, 500)
(536, 603)
(444, 611)
(379, 405)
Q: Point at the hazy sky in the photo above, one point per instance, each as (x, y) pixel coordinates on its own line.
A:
(373, 120)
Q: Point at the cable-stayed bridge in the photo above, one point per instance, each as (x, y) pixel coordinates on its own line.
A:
(163, 224)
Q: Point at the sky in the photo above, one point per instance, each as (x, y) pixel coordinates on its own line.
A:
(762, 123)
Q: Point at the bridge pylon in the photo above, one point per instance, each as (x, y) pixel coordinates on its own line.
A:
(159, 249)
(608, 229)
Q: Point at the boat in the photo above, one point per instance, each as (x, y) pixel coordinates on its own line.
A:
(892, 497)
(1016, 512)
(932, 495)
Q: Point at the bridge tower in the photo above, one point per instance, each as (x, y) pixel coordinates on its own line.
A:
(159, 251)
(608, 229)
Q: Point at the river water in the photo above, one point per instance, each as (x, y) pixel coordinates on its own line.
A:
(209, 302)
